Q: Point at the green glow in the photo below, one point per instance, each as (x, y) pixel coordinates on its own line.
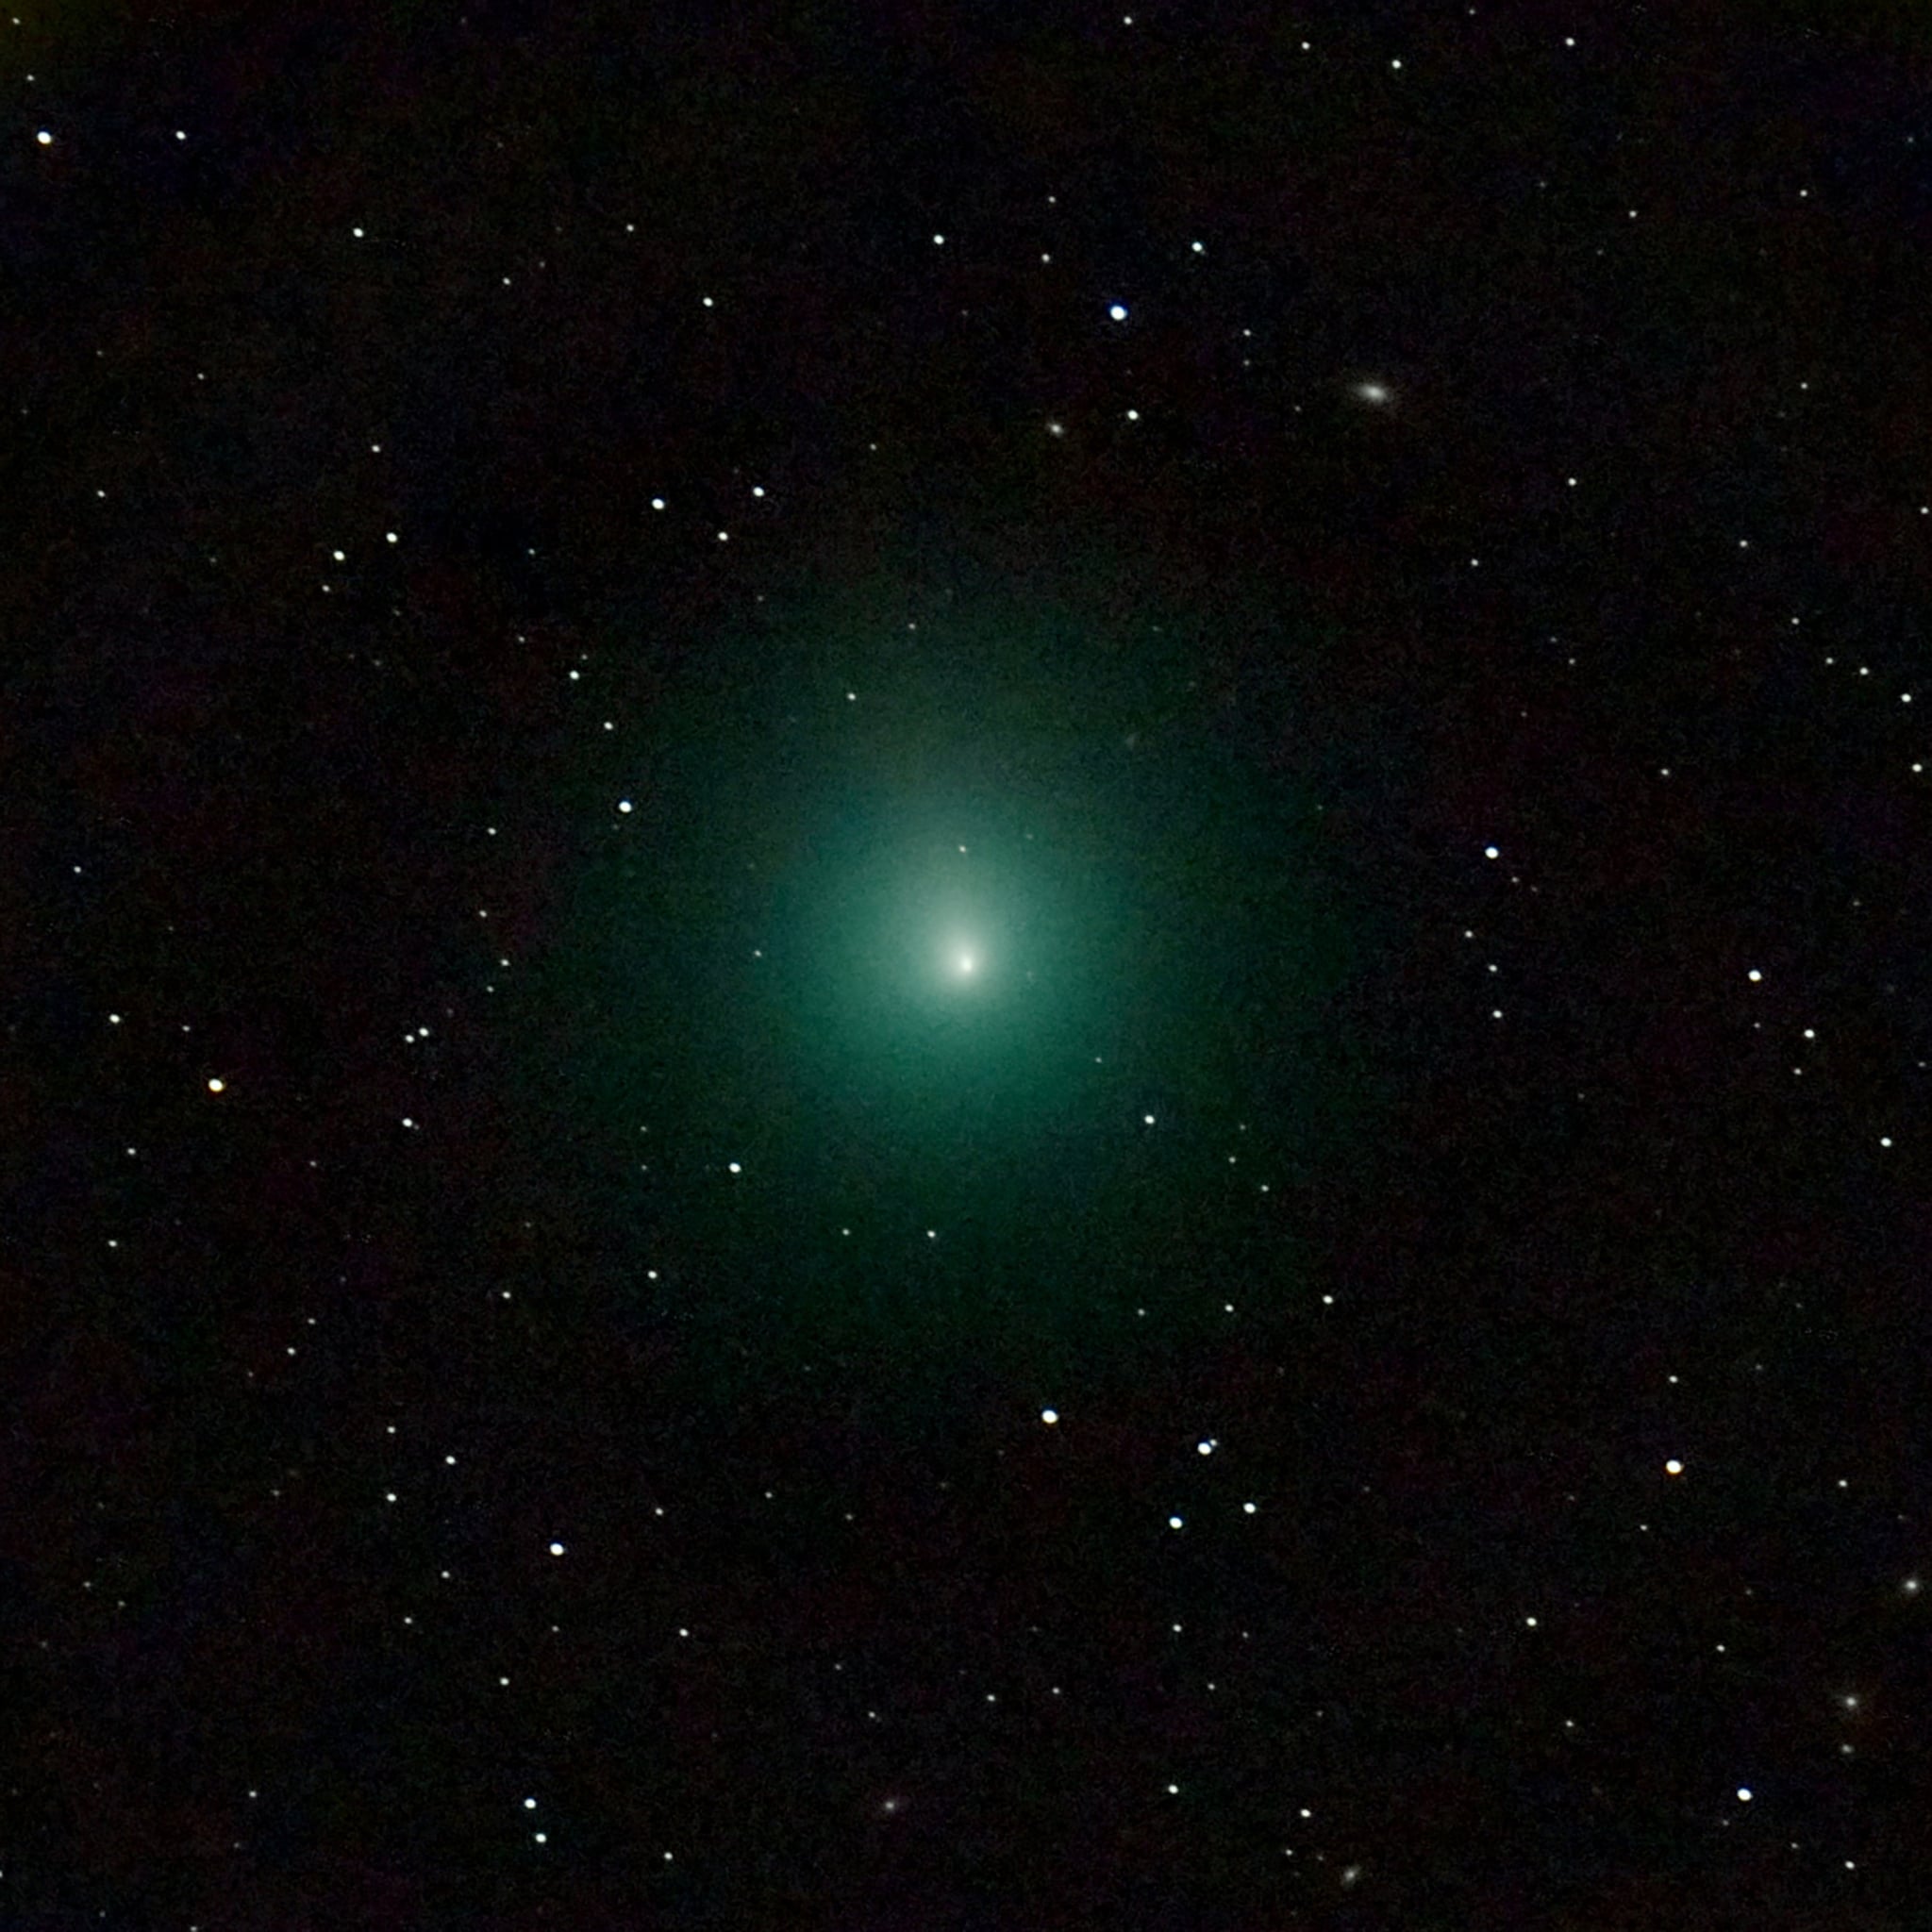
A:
(918, 930)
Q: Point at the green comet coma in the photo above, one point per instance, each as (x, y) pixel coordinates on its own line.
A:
(931, 932)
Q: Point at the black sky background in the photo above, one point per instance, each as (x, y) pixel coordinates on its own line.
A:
(944, 1660)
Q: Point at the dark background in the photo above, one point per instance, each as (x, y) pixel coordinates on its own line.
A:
(843, 1634)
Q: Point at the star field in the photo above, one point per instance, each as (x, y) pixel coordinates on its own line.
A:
(964, 969)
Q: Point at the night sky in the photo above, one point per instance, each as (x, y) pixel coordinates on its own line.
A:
(964, 968)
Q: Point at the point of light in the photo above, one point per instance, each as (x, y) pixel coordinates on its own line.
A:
(966, 964)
